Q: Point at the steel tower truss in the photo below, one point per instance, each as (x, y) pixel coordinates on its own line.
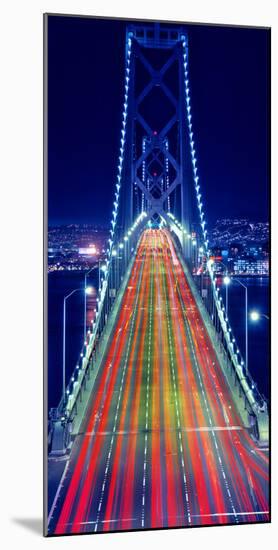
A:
(158, 170)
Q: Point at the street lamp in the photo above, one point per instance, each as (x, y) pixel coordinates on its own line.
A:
(227, 281)
(256, 315)
(246, 316)
(114, 269)
(64, 334)
(86, 291)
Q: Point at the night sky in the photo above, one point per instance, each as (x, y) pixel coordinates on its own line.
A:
(228, 73)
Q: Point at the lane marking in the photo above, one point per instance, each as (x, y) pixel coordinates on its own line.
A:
(208, 411)
(182, 429)
(147, 402)
(187, 325)
(58, 492)
(260, 513)
(181, 450)
(119, 399)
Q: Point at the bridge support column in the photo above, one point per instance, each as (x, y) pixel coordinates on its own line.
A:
(60, 437)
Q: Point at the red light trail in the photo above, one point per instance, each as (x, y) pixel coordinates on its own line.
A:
(162, 443)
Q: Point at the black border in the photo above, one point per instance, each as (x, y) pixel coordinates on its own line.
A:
(45, 278)
(45, 264)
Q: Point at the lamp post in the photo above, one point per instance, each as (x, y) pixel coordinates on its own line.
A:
(114, 269)
(227, 282)
(194, 251)
(64, 334)
(200, 263)
(246, 324)
(85, 296)
(126, 250)
(121, 247)
(256, 316)
(104, 268)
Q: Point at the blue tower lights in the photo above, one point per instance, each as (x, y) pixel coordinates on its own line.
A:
(143, 172)
(112, 252)
(121, 155)
(227, 329)
(192, 146)
(167, 174)
(111, 242)
(106, 268)
(114, 248)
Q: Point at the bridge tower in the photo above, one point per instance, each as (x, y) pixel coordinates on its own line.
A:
(157, 172)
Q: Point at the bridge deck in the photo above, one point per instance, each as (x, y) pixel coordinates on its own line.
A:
(162, 443)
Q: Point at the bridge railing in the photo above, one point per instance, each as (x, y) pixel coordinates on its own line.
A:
(61, 417)
(255, 404)
(218, 314)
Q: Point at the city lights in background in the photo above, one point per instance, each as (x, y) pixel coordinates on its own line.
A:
(90, 250)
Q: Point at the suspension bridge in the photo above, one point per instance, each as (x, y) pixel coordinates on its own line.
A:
(161, 424)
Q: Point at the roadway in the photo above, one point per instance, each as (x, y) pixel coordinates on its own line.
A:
(162, 444)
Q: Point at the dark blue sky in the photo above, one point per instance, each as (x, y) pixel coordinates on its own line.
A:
(228, 71)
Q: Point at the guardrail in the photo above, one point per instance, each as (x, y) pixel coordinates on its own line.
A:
(61, 418)
(255, 404)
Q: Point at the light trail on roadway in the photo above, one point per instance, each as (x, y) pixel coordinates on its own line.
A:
(162, 443)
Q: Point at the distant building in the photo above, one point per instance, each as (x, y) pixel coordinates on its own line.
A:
(89, 251)
(229, 232)
(251, 267)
